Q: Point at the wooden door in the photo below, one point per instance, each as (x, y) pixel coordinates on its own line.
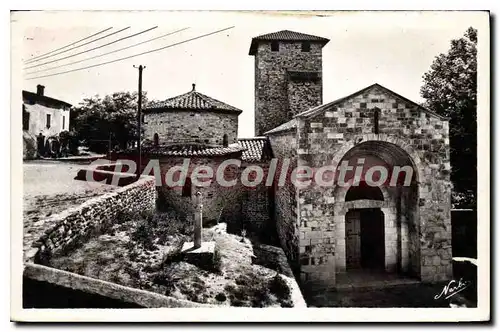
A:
(353, 240)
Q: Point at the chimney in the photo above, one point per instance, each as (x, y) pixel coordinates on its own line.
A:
(39, 89)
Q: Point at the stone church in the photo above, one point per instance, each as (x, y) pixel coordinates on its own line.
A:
(402, 229)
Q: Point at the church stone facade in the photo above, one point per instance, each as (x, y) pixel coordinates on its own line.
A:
(407, 229)
(401, 227)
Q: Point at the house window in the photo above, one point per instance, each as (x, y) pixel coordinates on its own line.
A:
(26, 119)
(275, 46)
(48, 121)
(376, 115)
(225, 141)
(156, 139)
(64, 122)
(306, 46)
(186, 189)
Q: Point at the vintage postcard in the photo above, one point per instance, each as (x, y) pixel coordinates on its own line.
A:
(324, 166)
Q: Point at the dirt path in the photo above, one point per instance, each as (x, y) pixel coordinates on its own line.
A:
(49, 188)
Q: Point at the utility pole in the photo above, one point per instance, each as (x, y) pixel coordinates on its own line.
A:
(139, 120)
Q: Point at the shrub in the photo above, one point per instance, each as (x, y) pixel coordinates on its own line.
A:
(279, 287)
(221, 297)
(217, 261)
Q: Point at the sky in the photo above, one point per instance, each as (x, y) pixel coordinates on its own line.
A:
(393, 49)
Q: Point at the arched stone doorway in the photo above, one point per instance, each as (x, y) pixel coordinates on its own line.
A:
(377, 226)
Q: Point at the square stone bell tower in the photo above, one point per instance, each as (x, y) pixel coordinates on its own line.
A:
(288, 76)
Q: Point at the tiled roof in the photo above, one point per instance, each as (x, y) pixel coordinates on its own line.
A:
(27, 95)
(192, 100)
(191, 150)
(285, 35)
(284, 127)
(257, 149)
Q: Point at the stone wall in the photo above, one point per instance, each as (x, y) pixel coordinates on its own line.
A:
(407, 131)
(220, 204)
(183, 126)
(73, 226)
(285, 197)
(302, 95)
(238, 206)
(257, 205)
(275, 100)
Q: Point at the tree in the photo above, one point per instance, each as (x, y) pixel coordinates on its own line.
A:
(97, 120)
(450, 89)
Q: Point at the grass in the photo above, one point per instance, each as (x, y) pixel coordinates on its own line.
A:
(142, 250)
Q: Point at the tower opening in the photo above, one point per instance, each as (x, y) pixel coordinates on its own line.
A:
(376, 115)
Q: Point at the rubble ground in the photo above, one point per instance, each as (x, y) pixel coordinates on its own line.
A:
(143, 251)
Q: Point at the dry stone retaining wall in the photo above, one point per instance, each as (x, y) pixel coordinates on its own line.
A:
(74, 225)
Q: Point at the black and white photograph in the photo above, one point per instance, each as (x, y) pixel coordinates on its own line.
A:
(211, 161)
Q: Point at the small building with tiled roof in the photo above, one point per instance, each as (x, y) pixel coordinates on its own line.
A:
(191, 117)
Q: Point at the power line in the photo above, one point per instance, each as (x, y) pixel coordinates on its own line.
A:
(73, 43)
(92, 41)
(101, 55)
(92, 49)
(132, 56)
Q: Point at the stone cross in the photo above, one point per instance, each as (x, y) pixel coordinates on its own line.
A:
(198, 217)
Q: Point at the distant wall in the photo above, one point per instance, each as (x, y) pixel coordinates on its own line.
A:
(74, 225)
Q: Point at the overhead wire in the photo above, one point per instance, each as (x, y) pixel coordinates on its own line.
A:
(90, 42)
(107, 53)
(92, 49)
(132, 56)
(71, 44)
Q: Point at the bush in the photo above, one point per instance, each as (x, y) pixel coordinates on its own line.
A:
(221, 297)
(279, 287)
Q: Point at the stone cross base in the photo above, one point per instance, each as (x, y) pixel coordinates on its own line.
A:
(203, 257)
